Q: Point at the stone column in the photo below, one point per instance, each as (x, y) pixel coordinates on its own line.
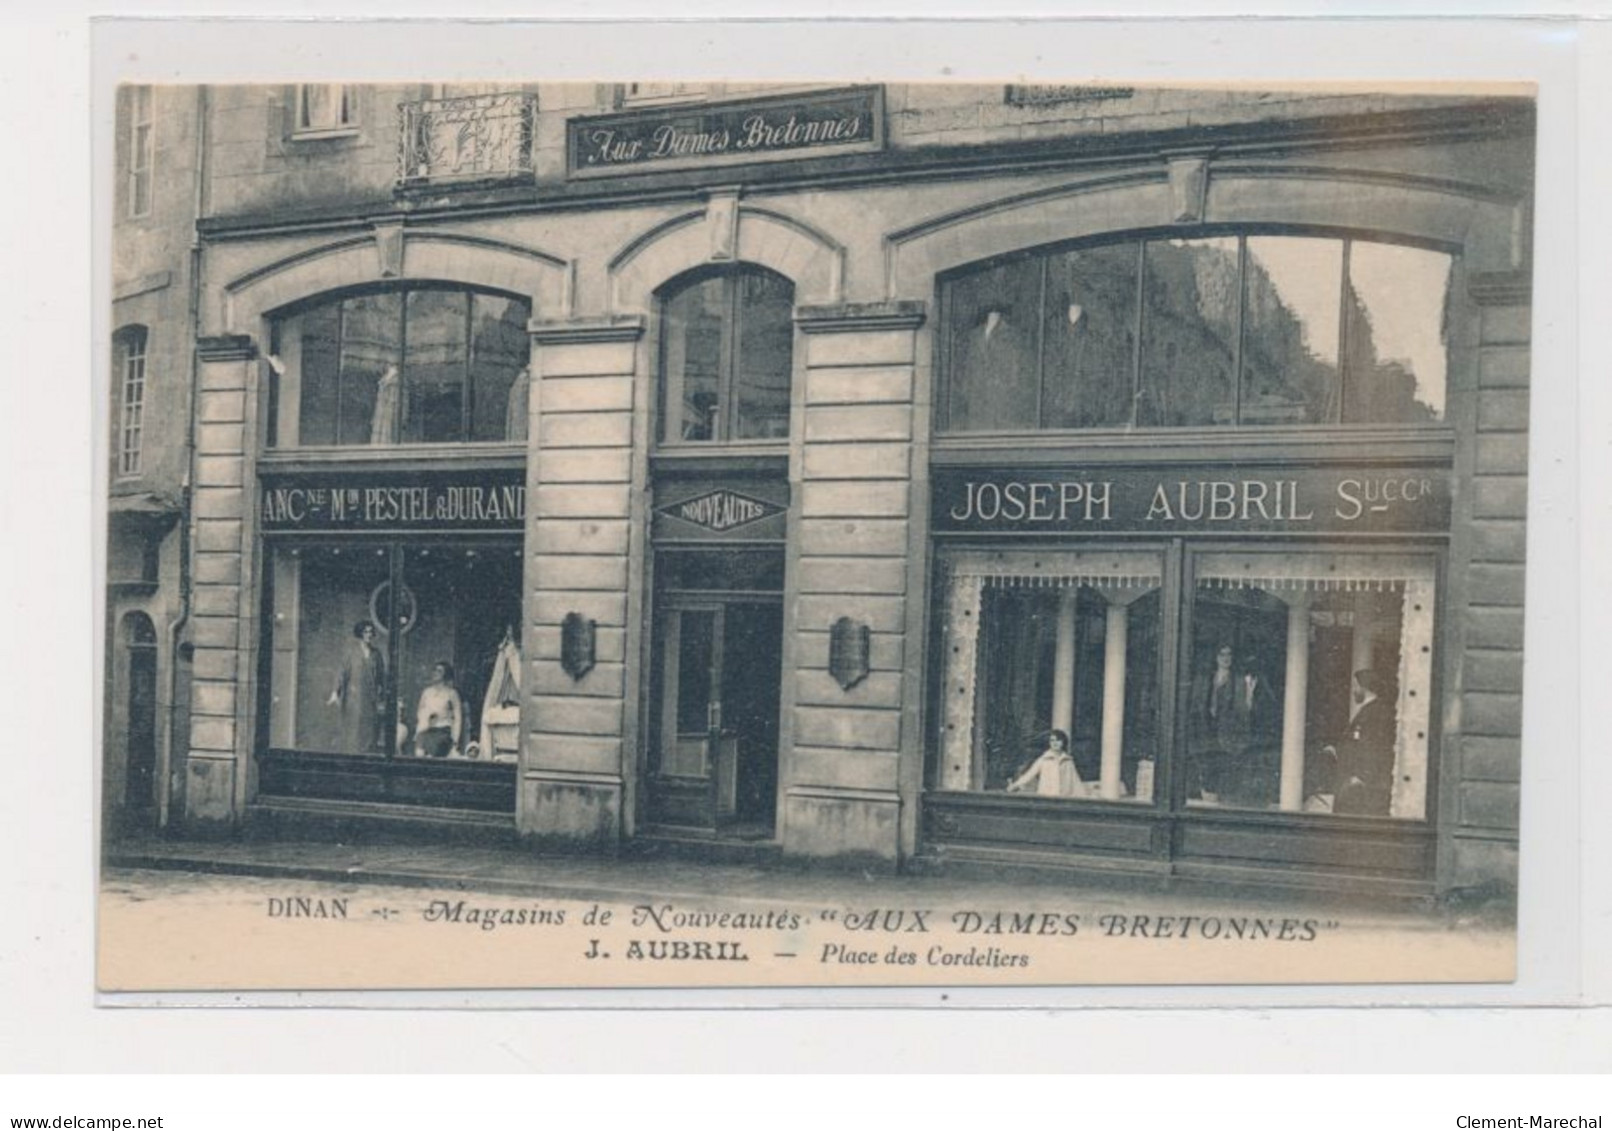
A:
(581, 557)
(216, 777)
(843, 747)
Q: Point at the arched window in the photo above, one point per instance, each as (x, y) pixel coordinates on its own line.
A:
(412, 365)
(129, 359)
(1218, 329)
(726, 356)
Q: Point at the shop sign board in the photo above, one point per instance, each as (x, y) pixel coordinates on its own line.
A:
(1197, 499)
(706, 511)
(724, 133)
(354, 502)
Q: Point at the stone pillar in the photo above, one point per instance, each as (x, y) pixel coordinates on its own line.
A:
(1479, 788)
(581, 557)
(843, 747)
(216, 777)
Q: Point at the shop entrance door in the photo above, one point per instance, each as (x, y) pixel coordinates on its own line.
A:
(717, 765)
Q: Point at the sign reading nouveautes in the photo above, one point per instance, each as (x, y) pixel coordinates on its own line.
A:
(763, 129)
(1319, 500)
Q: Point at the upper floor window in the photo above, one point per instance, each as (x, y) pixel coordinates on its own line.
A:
(652, 93)
(129, 356)
(325, 108)
(1237, 329)
(415, 365)
(726, 357)
(142, 150)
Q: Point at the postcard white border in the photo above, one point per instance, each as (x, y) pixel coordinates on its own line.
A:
(49, 797)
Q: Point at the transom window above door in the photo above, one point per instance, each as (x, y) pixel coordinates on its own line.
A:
(726, 357)
(1237, 329)
(415, 365)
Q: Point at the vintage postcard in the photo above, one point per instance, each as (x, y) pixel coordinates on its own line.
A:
(881, 534)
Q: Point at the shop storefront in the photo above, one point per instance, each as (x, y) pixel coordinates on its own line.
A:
(1230, 652)
(1126, 505)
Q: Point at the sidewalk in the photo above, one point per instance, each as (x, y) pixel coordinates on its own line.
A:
(635, 878)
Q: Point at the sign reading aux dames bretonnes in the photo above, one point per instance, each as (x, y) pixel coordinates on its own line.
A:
(312, 502)
(762, 129)
(1219, 500)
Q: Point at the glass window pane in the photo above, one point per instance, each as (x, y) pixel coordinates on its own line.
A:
(1290, 330)
(696, 640)
(1189, 333)
(1052, 664)
(434, 366)
(499, 353)
(371, 353)
(994, 378)
(759, 571)
(458, 660)
(762, 367)
(693, 322)
(320, 372)
(1397, 349)
(329, 641)
(1341, 641)
(1090, 337)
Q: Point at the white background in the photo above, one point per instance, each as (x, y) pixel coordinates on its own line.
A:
(53, 387)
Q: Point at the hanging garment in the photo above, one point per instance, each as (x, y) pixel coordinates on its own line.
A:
(501, 709)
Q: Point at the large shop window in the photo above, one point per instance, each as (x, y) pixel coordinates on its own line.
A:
(384, 650)
(726, 358)
(420, 365)
(1219, 330)
(1306, 679)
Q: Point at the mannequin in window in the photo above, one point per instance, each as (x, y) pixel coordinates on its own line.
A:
(1364, 753)
(1053, 774)
(360, 692)
(1252, 734)
(440, 715)
(1214, 726)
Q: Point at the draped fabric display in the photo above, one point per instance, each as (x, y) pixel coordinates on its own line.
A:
(501, 709)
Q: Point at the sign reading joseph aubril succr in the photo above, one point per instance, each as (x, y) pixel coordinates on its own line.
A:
(1219, 500)
(759, 130)
(482, 500)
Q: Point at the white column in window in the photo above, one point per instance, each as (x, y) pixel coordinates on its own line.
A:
(957, 770)
(1115, 643)
(1063, 663)
(1295, 700)
(1360, 653)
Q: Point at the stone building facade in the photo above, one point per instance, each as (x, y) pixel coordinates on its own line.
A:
(774, 470)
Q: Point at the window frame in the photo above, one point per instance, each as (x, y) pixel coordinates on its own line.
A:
(276, 396)
(668, 437)
(142, 151)
(131, 350)
(1176, 634)
(345, 121)
(948, 373)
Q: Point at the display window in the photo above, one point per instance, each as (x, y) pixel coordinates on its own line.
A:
(1221, 329)
(1299, 680)
(418, 365)
(383, 650)
(1310, 682)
